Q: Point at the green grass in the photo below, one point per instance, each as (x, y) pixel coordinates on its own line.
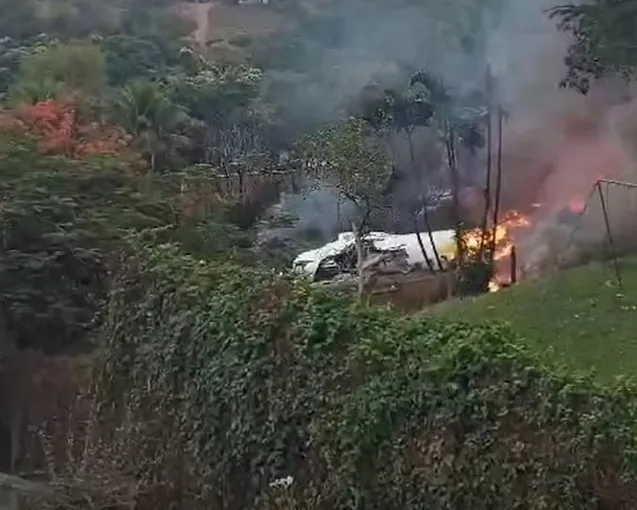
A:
(580, 318)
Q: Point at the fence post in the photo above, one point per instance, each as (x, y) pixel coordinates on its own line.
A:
(514, 265)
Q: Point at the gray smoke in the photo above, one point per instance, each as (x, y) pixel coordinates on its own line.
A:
(319, 211)
(556, 142)
(374, 41)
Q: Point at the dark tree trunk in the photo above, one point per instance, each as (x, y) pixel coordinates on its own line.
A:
(421, 244)
(455, 190)
(498, 185)
(431, 237)
(410, 143)
(487, 189)
(412, 157)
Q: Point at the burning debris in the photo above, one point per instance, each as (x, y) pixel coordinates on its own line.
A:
(403, 254)
(544, 240)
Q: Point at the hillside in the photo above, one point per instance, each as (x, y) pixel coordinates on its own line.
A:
(155, 353)
(580, 317)
(332, 405)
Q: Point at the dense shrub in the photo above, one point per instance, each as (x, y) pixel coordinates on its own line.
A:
(234, 378)
(58, 220)
(61, 221)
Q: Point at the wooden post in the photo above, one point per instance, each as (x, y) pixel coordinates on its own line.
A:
(360, 257)
(498, 183)
(609, 235)
(514, 265)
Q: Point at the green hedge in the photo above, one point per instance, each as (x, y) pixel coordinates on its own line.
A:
(259, 377)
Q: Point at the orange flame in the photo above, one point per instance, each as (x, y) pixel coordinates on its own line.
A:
(577, 204)
(502, 238)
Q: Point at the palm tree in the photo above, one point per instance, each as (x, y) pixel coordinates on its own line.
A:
(36, 91)
(146, 112)
(458, 120)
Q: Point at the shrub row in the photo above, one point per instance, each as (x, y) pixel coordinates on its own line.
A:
(235, 378)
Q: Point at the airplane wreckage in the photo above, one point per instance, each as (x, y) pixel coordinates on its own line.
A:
(384, 253)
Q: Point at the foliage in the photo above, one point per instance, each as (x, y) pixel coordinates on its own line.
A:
(58, 218)
(603, 40)
(59, 130)
(81, 18)
(259, 378)
(229, 120)
(353, 160)
(78, 67)
(61, 222)
(130, 57)
(145, 110)
(138, 39)
(145, 55)
(217, 95)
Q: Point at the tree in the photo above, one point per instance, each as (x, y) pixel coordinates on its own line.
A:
(352, 159)
(37, 91)
(224, 101)
(129, 58)
(458, 122)
(77, 68)
(604, 40)
(62, 222)
(394, 113)
(60, 219)
(146, 112)
(59, 129)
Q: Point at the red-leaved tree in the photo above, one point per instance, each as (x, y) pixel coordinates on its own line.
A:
(60, 130)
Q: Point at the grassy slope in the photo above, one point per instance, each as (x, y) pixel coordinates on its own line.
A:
(580, 318)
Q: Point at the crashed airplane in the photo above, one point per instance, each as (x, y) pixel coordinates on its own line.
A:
(398, 253)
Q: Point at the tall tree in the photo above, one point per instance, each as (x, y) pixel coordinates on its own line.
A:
(352, 159)
(78, 68)
(399, 113)
(223, 100)
(458, 120)
(604, 40)
(146, 112)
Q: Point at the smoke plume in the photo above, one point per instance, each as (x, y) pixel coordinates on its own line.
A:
(557, 143)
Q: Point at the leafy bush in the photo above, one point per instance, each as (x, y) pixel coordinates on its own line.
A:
(475, 273)
(129, 58)
(59, 220)
(255, 378)
(79, 67)
(62, 221)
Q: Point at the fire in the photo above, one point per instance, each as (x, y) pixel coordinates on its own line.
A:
(503, 237)
(577, 204)
(513, 220)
